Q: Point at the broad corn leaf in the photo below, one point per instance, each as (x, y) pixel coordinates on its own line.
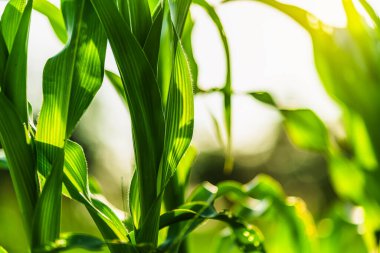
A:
(179, 115)
(46, 222)
(180, 103)
(20, 159)
(143, 98)
(76, 170)
(10, 20)
(88, 73)
(15, 70)
(77, 184)
(14, 128)
(70, 81)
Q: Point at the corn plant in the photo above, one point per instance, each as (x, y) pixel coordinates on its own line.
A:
(149, 41)
(157, 80)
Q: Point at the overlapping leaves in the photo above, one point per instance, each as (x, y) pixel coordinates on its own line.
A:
(70, 82)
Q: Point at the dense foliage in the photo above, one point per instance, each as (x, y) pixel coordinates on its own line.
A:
(157, 80)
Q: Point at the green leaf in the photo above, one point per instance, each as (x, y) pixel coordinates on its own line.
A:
(10, 20)
(3, 58)
(303, 126)
(76, 170)
(70, 82)
(165, 58)
(306, 130)
(294, 221)
(264, 97)
(77, 184)
(176, 189)
(137, 15)
(54, 16)
(47, 215)
(73, 241)
(134, 201)
(267, 194)
(144, 103)
(356, 53)
(188, 46)
(2, 250)
(246, 237)
(152, 43)
(179, 115)
(153, 4)
(371, 12)
(17, 17)
(72, 78)
(178, 12)
(180, 102)
(16, 144)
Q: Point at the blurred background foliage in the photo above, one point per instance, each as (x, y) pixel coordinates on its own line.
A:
(269, 52)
